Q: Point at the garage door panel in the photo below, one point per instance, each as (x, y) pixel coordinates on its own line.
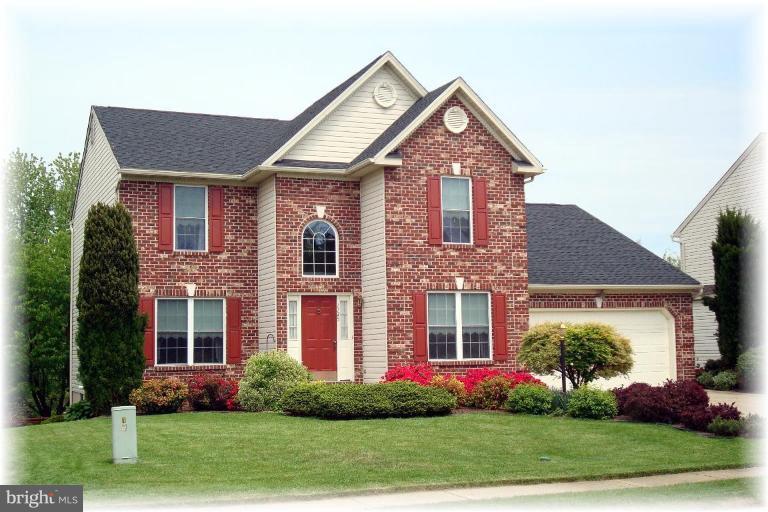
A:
(649, 332)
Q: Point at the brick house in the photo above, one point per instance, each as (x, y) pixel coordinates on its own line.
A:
(384, 225)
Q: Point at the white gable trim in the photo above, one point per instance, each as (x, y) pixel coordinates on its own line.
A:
(719, 184)
(486, 116)
(385, 59)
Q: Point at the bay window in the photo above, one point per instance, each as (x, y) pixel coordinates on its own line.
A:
(463, 316)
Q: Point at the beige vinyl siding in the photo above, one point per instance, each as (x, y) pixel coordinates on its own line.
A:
(374, 276)
(349, 129)
(267, 254)
(98, 183)
(741, 189)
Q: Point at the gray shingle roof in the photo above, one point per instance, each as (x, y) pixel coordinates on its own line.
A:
(400, 124)
(567, 245)
(180, 141)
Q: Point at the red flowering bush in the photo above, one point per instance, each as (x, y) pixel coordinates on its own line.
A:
(419, 373)
(212, 393)
(490, 393)
(477, 375)
(699, 417)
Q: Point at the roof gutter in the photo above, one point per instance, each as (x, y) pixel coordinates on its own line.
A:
(544, 288)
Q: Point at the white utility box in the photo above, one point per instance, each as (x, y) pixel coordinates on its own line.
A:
(124, 449)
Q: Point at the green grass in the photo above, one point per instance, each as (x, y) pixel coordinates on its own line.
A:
(718, 492)
(265, 454)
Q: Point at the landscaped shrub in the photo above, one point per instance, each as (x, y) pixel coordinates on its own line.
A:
(560, 402)
(586, 402)
(78, 411)
(490, 393)
(725, 380)
(714, 365)
(623, 393)
(592, 350)
(267, 376)
(451, 384)
(212, 393)
(683, 394)
(649, 404)
(159, 396)
(530, 399)
(723, 427)
(419, 373)
(359, 401)
(748, 366)
(476, 375)
(699, 417)
(706, 379)
(56, 418)
(752, 426)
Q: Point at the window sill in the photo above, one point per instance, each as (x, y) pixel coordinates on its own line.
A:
(460, 362)
(186, 367)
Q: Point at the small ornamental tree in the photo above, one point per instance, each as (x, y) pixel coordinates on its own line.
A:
(110, 330)
(592, 350)
(731, 252)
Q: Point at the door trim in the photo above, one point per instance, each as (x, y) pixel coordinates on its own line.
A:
(345, 368)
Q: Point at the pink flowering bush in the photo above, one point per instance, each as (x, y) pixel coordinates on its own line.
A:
(418, 373)
(212, 393)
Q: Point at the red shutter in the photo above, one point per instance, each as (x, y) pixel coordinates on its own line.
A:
(216, 219)
(234, 330)
(419, 326)
(165, 217)
(499, 318)
(147, 307)
(434, 215)
(480, 204)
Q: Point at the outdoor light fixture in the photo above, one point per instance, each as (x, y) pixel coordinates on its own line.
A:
(599, 299)
(191, 287)
(459, 283)
(320, 211)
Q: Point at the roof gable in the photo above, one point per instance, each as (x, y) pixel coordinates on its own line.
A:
(756, 143)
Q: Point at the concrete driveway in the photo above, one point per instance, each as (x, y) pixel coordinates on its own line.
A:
(747, 403)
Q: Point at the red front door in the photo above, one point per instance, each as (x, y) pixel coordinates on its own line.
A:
(318, 332)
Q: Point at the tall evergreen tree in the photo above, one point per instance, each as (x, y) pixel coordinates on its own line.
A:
(110, 330)
(731, 251)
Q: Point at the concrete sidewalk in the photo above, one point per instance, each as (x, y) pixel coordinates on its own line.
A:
(476, 495)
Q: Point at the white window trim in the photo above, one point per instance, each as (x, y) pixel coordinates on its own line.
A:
(205, 233)
(338, 251)
(471, 211)
(459, 325)
(191, 331)
(345, 353)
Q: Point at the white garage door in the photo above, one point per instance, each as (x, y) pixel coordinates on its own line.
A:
(650, 331)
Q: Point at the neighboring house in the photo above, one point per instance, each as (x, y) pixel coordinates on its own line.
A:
(740, 188)
(384, 225)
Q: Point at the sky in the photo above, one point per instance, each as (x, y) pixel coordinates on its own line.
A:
(635, 111)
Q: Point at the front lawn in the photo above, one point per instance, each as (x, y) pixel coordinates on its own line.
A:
(249, 454)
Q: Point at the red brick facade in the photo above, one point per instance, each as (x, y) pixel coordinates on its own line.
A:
(296, 202)
(230, 273)
(678, 305)
(415, 266)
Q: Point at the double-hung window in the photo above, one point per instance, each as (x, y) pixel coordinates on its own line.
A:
(190, 218)
(182, 320)
(459, 326)
(457, 210)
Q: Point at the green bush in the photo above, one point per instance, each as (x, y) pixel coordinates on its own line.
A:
(357, 401)
(723, 427)
(490, 393)
(706, 379)
(725, 380)
(78, 411)
(268, 375)
(586, 402)
(530, 399)
(560, 402)
(748, 366)
(592, 350)
(158, 396)
(752, 426)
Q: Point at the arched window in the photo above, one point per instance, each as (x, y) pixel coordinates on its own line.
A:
(319, 249)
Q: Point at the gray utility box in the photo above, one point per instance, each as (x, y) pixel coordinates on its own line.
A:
(124, 435)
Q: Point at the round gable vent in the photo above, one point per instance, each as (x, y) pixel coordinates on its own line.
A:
(455, 119)
(385, 95)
